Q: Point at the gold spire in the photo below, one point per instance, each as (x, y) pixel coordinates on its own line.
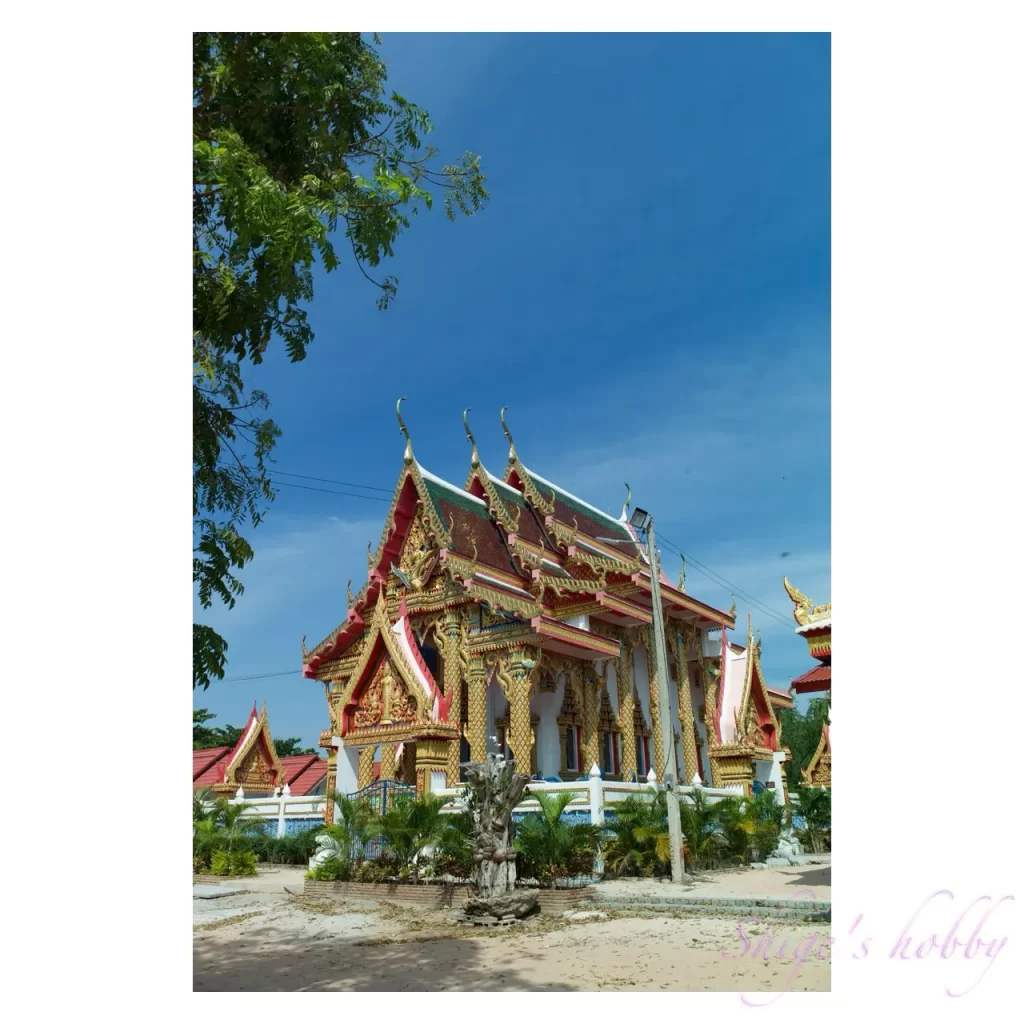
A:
(732, 610)
(508, 434)
(625, 504)
(475, 458)
(405, 431)
(682, 575)
(348, 594)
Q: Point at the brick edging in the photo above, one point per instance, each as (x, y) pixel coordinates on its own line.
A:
(437, 896)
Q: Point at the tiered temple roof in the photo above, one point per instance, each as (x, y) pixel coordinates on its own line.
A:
(522, 547)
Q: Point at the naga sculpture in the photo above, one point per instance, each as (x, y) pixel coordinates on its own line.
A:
(494, 788)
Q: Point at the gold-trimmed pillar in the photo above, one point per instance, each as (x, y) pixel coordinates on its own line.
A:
(452, 641)
(709, 687)
(691, 759)
(624, 690)
(591, 751)
(388, 768)
(476, 727)
(516, 676)
(652, 686)
(366, 767)
(332, 783)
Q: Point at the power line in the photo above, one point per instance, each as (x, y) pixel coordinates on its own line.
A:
(245, 679)
(723, 582)
(324, 490)
(325, 480)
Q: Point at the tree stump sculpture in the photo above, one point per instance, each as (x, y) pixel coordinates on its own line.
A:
(494, 788)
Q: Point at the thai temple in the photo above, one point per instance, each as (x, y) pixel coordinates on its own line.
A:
(251, 768)
(814, 624)
(507, 615)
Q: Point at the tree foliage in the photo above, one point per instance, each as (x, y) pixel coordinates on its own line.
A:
(802, 733)
(295, 142)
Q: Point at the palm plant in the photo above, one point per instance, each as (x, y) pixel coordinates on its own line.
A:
(551, 848)
(354, 825)
(638, 843)
(705, 837)
(816, 810)
(737, 825)
(409, 827)
(453, 854)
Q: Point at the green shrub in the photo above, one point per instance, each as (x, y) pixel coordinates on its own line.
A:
(333, 870)
(233, 862)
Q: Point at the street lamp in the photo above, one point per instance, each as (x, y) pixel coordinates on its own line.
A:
(643, 522)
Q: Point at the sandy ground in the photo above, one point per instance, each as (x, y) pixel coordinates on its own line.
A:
(806, 882)
(267, 940)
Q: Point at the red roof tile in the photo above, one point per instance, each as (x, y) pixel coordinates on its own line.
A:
(303, 772)
(206, 766)
(816, 680)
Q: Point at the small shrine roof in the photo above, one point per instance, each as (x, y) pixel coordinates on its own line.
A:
(816, 680)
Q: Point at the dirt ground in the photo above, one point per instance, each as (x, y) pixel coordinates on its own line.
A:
(271, 941)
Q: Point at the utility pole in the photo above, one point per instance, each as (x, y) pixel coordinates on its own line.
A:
(670, 775)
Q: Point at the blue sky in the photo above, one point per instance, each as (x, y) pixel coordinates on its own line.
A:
(648, 292)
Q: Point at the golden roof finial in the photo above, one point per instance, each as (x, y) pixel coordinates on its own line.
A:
(732, 610)
(369, 553)
(348, 594)
(474, 460)
(508, 434)
(804, 610)
(625, 504)
(405, 430)
(682, 574)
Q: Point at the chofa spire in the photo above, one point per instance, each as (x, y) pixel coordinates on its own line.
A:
(405, 431)
(508, 434)
(625, 505)
(475, 457)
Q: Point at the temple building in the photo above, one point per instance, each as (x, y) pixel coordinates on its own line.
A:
(251, 768)
(509, 615)
(814, 624)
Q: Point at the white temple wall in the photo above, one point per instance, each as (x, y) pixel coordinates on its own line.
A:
(613, 690)
(347, 780)
(777, 776)
(547, 706)
(763, 771)
(497, 707)
(735, 672)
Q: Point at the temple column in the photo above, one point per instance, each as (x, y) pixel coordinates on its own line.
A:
(624, 689)
(591, 751)
(332, 782)
(691, 758)
(366, 766)
(516, 676)
(476, 727)
(431, 757)
(652, 683)
(388, 768)
(709, 686)
(452, 641)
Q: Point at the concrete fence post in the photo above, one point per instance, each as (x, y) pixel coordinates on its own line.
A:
(596, 810)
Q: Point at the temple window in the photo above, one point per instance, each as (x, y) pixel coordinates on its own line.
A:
(570, 722)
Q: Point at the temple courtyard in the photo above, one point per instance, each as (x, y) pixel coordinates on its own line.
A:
(264, 937)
